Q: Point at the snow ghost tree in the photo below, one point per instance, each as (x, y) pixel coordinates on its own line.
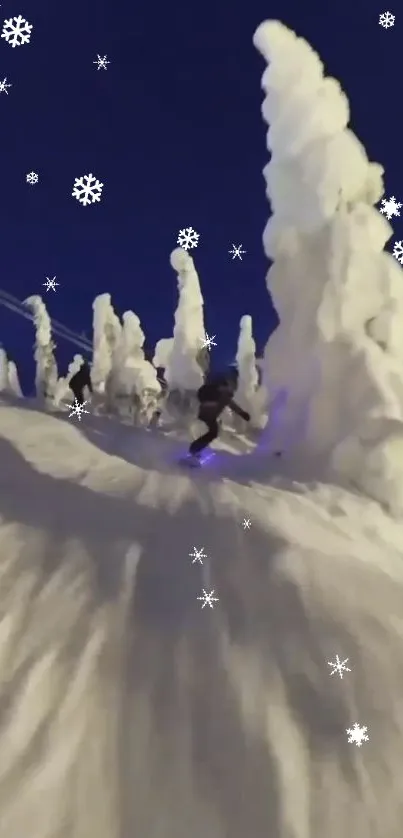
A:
(134, 379)
(249, 395)
(13, 380)
(3, 370)
(62, 390)
(9, 381)
(334, 366)
(106, 333)
(183, 368)
(46, 367)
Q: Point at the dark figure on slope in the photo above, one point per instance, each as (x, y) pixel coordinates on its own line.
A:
(213, 399)
(81, 379)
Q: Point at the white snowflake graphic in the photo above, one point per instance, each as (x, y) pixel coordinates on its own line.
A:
(32, 177)
(236, 251)
(77, 409)
(390, 207)
(386, 19)
(101, 62)
(198, 555)
(398, 251)
(357, 734)
(188, 238)
(4, 86)
(207, 599)
(207, 343)
(339, 666)
(16, 31)
(50, 284)
(87, 189)
(246, 523)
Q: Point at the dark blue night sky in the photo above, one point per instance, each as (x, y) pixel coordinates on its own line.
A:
(173, 129)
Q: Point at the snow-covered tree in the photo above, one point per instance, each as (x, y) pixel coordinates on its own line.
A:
(3, 370)
(106, 334)
(62, 391)
(183, 370)
(133, 379)
(46, 367)
(162, 352)
(334, 366)
(13, 380)
(249, 394)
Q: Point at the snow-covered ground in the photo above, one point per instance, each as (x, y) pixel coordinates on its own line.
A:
(128, 710)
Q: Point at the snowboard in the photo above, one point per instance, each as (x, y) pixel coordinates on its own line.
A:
(195, 462)
(190, 462)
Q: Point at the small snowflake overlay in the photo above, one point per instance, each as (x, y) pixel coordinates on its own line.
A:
(246, 523)
(77, 409)
(390, 207)
(236, 251)
(188, 238)
(208, 342)
(386, 19)
(198, 555)
(339, 666)
(4, 86)
(32, 177)
(101, 62)
(357, 734)
(16, 31)
(207, 599)
(50, 284)
(87, 189)
(398, 251)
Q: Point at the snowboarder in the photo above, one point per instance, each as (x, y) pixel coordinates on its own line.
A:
(81, 379)
(213, 398)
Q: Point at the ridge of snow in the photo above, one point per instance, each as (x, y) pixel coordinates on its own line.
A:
(103, 645)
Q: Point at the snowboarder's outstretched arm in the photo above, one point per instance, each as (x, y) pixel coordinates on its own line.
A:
(238, 410)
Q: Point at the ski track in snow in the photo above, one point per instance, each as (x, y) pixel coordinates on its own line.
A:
(127, 710)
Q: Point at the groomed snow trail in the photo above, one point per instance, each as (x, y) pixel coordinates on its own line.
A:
(127, 710)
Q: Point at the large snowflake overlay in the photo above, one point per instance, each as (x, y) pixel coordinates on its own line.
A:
(87, 189)
(32, 177)
(246, 523)
(188, 238)
(357, 734)
(207, 343)
(339, 666)
(101, 62)
(198, 555)
(77, 409)
(386, 19)
(236, 251)
(208, 599)
(4, 86)
(50, 284)
(16, 31)
(398, 251)
(390, 207)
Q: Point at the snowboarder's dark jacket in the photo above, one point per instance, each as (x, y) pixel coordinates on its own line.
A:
(81, 379)
(216, 396)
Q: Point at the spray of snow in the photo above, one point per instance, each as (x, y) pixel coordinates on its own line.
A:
(183, 370)
(334, 366)
(46, 367)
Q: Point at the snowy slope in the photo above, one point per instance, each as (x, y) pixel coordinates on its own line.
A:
(127, 709)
